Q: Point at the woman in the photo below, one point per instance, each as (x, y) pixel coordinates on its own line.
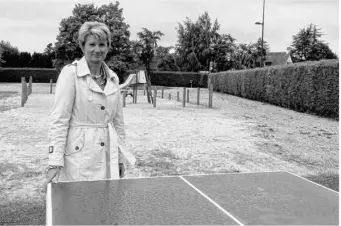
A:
(86, 112)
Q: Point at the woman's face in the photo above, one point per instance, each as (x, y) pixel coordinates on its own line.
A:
(95, 50)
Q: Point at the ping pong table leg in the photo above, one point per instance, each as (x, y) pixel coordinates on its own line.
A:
(48, 205)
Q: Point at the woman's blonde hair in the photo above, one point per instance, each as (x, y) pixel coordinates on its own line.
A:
(97, 29)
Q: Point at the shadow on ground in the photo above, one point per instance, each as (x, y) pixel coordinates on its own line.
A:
(329, 180)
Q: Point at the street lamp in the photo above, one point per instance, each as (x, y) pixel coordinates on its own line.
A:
(258, 23)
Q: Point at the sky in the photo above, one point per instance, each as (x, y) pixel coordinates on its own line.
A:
(30, 25)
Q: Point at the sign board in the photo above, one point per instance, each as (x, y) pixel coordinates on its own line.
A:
(140, 78)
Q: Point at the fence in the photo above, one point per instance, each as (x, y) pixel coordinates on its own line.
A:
(26, 89)
(184, 95)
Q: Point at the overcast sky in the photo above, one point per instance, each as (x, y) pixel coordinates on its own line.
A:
(31, 24)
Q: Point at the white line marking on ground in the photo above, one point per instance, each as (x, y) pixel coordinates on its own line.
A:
(48, 205)
(313, 182)
(213, 202)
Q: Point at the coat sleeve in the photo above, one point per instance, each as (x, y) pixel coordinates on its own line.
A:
(118, 122)
(61, 114)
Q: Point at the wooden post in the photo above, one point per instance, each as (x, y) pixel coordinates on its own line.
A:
(188, 96)
(30, 86)
(155, 93)
(198, 96)
(23, 91)
(184, 97)
(124, 98)
(178, 96)
(51, 82)
(162, 91)
(135, 94)
(170, 96)
(210, 104)
(26, 91)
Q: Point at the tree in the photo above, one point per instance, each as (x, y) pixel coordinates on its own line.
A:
(49, 54)
(166, 59)
(119, 55)
(145, 49)
(40, 60)
(307, 46)
(1, 60)
(222, 49)
(261, 53)
(195, 43)
(10, 54)
(24, 59)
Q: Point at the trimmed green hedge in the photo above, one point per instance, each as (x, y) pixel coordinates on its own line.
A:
(178, 79)
(39, 75)
(306, 87)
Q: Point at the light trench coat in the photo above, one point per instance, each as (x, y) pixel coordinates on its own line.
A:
(86, 133)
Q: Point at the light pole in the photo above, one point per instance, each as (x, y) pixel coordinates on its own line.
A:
(258, 23)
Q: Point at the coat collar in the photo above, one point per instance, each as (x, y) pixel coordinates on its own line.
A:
(110, 87)
(83, 69)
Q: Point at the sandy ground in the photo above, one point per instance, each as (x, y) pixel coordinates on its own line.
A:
(236, 135)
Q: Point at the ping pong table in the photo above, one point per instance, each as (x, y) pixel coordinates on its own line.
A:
(263, 198)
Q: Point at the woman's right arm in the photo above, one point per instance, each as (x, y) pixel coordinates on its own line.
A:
(61, 114)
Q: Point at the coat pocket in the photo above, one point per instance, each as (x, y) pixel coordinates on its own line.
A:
(75, 143)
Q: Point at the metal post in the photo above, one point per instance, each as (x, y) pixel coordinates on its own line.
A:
(261, 59)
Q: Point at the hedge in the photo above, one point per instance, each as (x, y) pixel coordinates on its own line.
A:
(178, 79)
(39, 75)
(306, 87)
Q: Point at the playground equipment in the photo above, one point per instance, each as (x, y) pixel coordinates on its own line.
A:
(134, 81)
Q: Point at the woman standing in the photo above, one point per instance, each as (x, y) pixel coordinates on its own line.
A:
(87, 110)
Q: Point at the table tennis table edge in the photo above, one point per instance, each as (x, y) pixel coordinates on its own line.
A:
(49, 194)
(167, 176)
(312, 182)
(48, 205)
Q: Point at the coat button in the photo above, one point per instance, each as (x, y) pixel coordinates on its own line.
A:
(102, 107)
(77, 148)
(102, 144)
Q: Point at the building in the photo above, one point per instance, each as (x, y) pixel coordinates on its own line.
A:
(277, 58)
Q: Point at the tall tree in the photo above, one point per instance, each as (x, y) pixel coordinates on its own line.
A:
(119, 55)
(1, 60)
(24, 59)
(195, 42)
(307, 46)
(222, 49)
(145, 49)
(166, 59)
(10, 54)
(39, 60)
(261, 53)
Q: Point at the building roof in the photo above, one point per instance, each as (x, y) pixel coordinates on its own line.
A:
(278, 58)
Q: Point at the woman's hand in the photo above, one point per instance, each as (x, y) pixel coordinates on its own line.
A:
(50, 175)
